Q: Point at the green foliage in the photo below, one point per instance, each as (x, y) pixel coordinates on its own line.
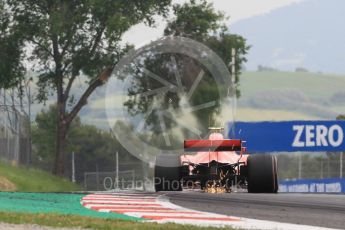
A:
(197, 20)
(44, 133)
(70, 38)
(91, 146)
(223, 45)
(11, 69)
(94, 148)
(341, 117)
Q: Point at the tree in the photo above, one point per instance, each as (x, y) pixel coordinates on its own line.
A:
(91, 145)
(69, 39)
(341, 117)
(43, 133)
(11, 68)
(197, 20)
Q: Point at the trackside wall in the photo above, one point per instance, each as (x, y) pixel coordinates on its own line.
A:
(335, 185)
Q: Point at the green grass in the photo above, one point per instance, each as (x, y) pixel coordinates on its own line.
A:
(65, 210)
(55, 220)
(58, 203)
(33, 180)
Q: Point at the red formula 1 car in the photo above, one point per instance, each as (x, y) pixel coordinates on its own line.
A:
(215, 165)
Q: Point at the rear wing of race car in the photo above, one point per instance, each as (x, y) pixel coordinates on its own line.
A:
(213, 145)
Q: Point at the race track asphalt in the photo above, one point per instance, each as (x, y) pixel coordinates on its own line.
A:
(321, 210)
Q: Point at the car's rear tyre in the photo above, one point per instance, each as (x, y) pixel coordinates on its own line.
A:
(168, 178)
(262, 174)
(276, 174)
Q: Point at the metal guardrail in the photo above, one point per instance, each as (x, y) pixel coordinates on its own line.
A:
(292, 167)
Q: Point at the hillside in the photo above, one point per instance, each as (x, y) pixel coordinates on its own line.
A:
(270, 96)
(264, 96)
(292, 95)
(307, 34)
